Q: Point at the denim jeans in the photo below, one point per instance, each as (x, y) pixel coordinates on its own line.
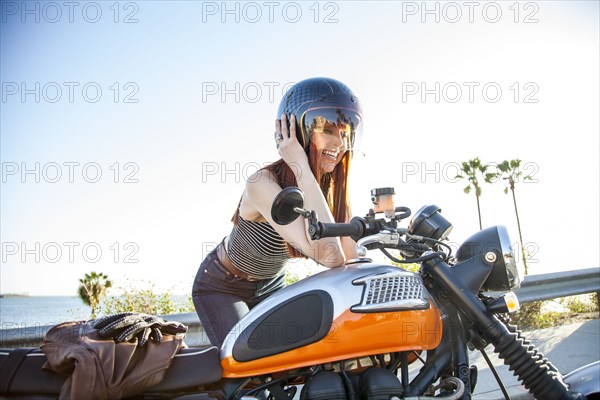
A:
(222, 299)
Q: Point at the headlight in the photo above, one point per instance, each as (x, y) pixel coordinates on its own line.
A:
(490, 250)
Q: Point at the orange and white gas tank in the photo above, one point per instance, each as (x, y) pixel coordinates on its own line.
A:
(359, 310)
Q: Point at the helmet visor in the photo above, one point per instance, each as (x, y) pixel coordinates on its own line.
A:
(337, 125)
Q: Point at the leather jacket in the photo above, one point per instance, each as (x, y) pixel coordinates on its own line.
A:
(103, 369)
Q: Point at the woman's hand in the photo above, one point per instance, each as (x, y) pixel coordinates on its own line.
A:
(288, 146)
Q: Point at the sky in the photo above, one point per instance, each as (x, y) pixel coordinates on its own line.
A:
(128, 128)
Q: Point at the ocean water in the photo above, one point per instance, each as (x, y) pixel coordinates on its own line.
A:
(20, 312)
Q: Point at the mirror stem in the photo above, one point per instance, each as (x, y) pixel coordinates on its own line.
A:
(305, 213)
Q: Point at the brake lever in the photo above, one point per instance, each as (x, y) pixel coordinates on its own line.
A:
(386, 238)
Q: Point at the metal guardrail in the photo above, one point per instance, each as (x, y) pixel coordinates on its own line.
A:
(559, 284)
(533, 288)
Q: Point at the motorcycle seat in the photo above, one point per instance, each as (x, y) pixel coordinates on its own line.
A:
(191, 367)
(21, 372)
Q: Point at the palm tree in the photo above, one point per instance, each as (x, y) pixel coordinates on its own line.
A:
(510, 171)
(92, 288)
(471, 170)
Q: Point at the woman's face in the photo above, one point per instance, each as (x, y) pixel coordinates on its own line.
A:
(331, 142)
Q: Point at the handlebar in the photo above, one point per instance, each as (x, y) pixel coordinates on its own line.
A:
(374, 235)
(354, 229)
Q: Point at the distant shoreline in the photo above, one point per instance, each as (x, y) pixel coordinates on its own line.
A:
(7, 295)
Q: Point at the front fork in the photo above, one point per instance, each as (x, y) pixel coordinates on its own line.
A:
(537, 375)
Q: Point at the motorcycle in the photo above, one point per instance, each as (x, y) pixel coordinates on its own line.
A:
(358, 331)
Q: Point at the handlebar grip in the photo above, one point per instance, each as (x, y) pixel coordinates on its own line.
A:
(355, 229)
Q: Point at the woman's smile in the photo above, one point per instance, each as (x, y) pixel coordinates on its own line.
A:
(332, 154)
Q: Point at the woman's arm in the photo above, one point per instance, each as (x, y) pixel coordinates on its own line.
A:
(349, 246)
(262, 188)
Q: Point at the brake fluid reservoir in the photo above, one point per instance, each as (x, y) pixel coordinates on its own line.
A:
(383, 199)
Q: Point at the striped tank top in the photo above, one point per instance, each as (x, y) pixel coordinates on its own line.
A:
(257, 249)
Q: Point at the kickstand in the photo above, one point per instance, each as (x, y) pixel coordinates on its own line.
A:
(489, 363)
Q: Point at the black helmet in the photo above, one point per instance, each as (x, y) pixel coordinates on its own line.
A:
(316, 100)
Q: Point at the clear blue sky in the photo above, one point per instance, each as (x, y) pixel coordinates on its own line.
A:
(127, 128)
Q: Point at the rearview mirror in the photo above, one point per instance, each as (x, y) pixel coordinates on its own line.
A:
(282, 210)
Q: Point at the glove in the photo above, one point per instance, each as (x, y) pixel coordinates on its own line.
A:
(108, 319)
(124, 327)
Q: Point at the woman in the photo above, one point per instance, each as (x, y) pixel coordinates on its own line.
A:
(319, 122)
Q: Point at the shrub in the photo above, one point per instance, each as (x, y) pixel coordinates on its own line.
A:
(581, 304)
(530, 316)
(534, 316)
(298, 269)
(146, 300)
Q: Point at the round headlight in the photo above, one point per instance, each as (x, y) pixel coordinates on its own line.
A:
(491, 247)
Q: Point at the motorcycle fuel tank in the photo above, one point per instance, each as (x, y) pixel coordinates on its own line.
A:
(341, 313)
